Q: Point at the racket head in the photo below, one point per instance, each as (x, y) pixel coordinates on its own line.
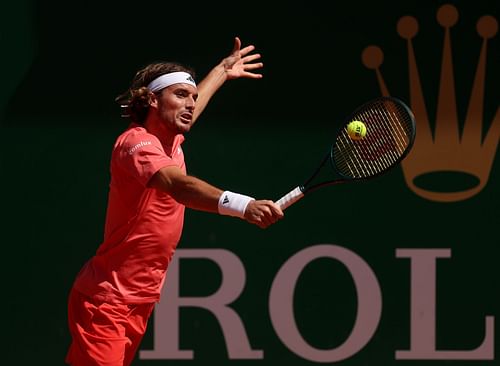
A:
(391, 131)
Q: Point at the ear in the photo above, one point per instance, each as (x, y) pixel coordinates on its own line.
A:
(153, 100)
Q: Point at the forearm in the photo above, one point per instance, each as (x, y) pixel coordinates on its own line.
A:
(208, 86)
(196, 194)
(188, 190)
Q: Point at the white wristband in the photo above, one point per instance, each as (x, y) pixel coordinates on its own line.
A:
(233, 204)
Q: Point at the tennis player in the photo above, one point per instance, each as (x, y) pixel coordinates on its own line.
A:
(114, 293)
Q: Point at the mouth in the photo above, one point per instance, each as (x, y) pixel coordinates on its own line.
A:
(186, 117)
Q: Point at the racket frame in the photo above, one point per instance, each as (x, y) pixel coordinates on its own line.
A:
(300, 191)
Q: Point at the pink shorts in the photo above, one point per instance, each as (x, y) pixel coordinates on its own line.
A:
(104, 334)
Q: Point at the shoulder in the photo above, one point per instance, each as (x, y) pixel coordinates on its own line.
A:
(134, 137)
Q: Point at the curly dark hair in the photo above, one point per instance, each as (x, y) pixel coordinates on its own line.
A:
(135, 101)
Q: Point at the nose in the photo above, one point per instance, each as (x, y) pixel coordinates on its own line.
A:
(190, 102)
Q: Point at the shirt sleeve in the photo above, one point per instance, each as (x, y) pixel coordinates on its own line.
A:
(142, 155)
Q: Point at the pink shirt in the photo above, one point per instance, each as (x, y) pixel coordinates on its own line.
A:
(143, 225)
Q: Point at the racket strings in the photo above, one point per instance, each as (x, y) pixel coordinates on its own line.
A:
(376, 135)
(389, 127)
(382, 134)
(350, 163)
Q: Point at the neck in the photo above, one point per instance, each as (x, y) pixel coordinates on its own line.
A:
(157, 128)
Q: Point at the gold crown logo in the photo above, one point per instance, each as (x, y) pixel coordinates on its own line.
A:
(447, 152)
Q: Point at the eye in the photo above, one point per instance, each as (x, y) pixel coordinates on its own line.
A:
(181, 94)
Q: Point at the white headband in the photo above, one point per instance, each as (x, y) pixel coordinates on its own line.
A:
(169, 79)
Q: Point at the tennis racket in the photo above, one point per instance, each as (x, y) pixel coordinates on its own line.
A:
(390, 133)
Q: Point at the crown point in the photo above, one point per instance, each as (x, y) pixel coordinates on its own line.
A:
(487, 26)
(447, 15)
(407, 27)
(445, 153)
(372, 57)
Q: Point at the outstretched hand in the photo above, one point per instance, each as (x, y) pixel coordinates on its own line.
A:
(240, 63)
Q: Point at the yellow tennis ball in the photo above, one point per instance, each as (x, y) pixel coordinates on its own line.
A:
(356, 130)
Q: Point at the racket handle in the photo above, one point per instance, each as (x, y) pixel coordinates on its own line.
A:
(290, 198)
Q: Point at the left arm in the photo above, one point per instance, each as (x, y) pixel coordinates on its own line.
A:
(240, 63)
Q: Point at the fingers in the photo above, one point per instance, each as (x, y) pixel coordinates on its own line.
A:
(245, 50)
(249, 68)
(237, 45)
(274, 209)
(257, 65)
(251, 75)
(250, 58)
(265, 214)
(242, 63)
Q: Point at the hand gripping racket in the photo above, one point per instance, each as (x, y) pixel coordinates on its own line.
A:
(390, 133)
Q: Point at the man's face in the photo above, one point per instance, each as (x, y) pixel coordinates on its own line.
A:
(175, 106)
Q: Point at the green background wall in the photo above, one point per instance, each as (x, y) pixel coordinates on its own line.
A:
(64, 62)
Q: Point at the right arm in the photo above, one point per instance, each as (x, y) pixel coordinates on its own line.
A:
(200, 195)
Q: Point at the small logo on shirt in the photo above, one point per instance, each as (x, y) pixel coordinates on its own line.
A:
(138, 146)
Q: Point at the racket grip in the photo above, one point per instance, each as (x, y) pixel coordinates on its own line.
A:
(290, 198)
